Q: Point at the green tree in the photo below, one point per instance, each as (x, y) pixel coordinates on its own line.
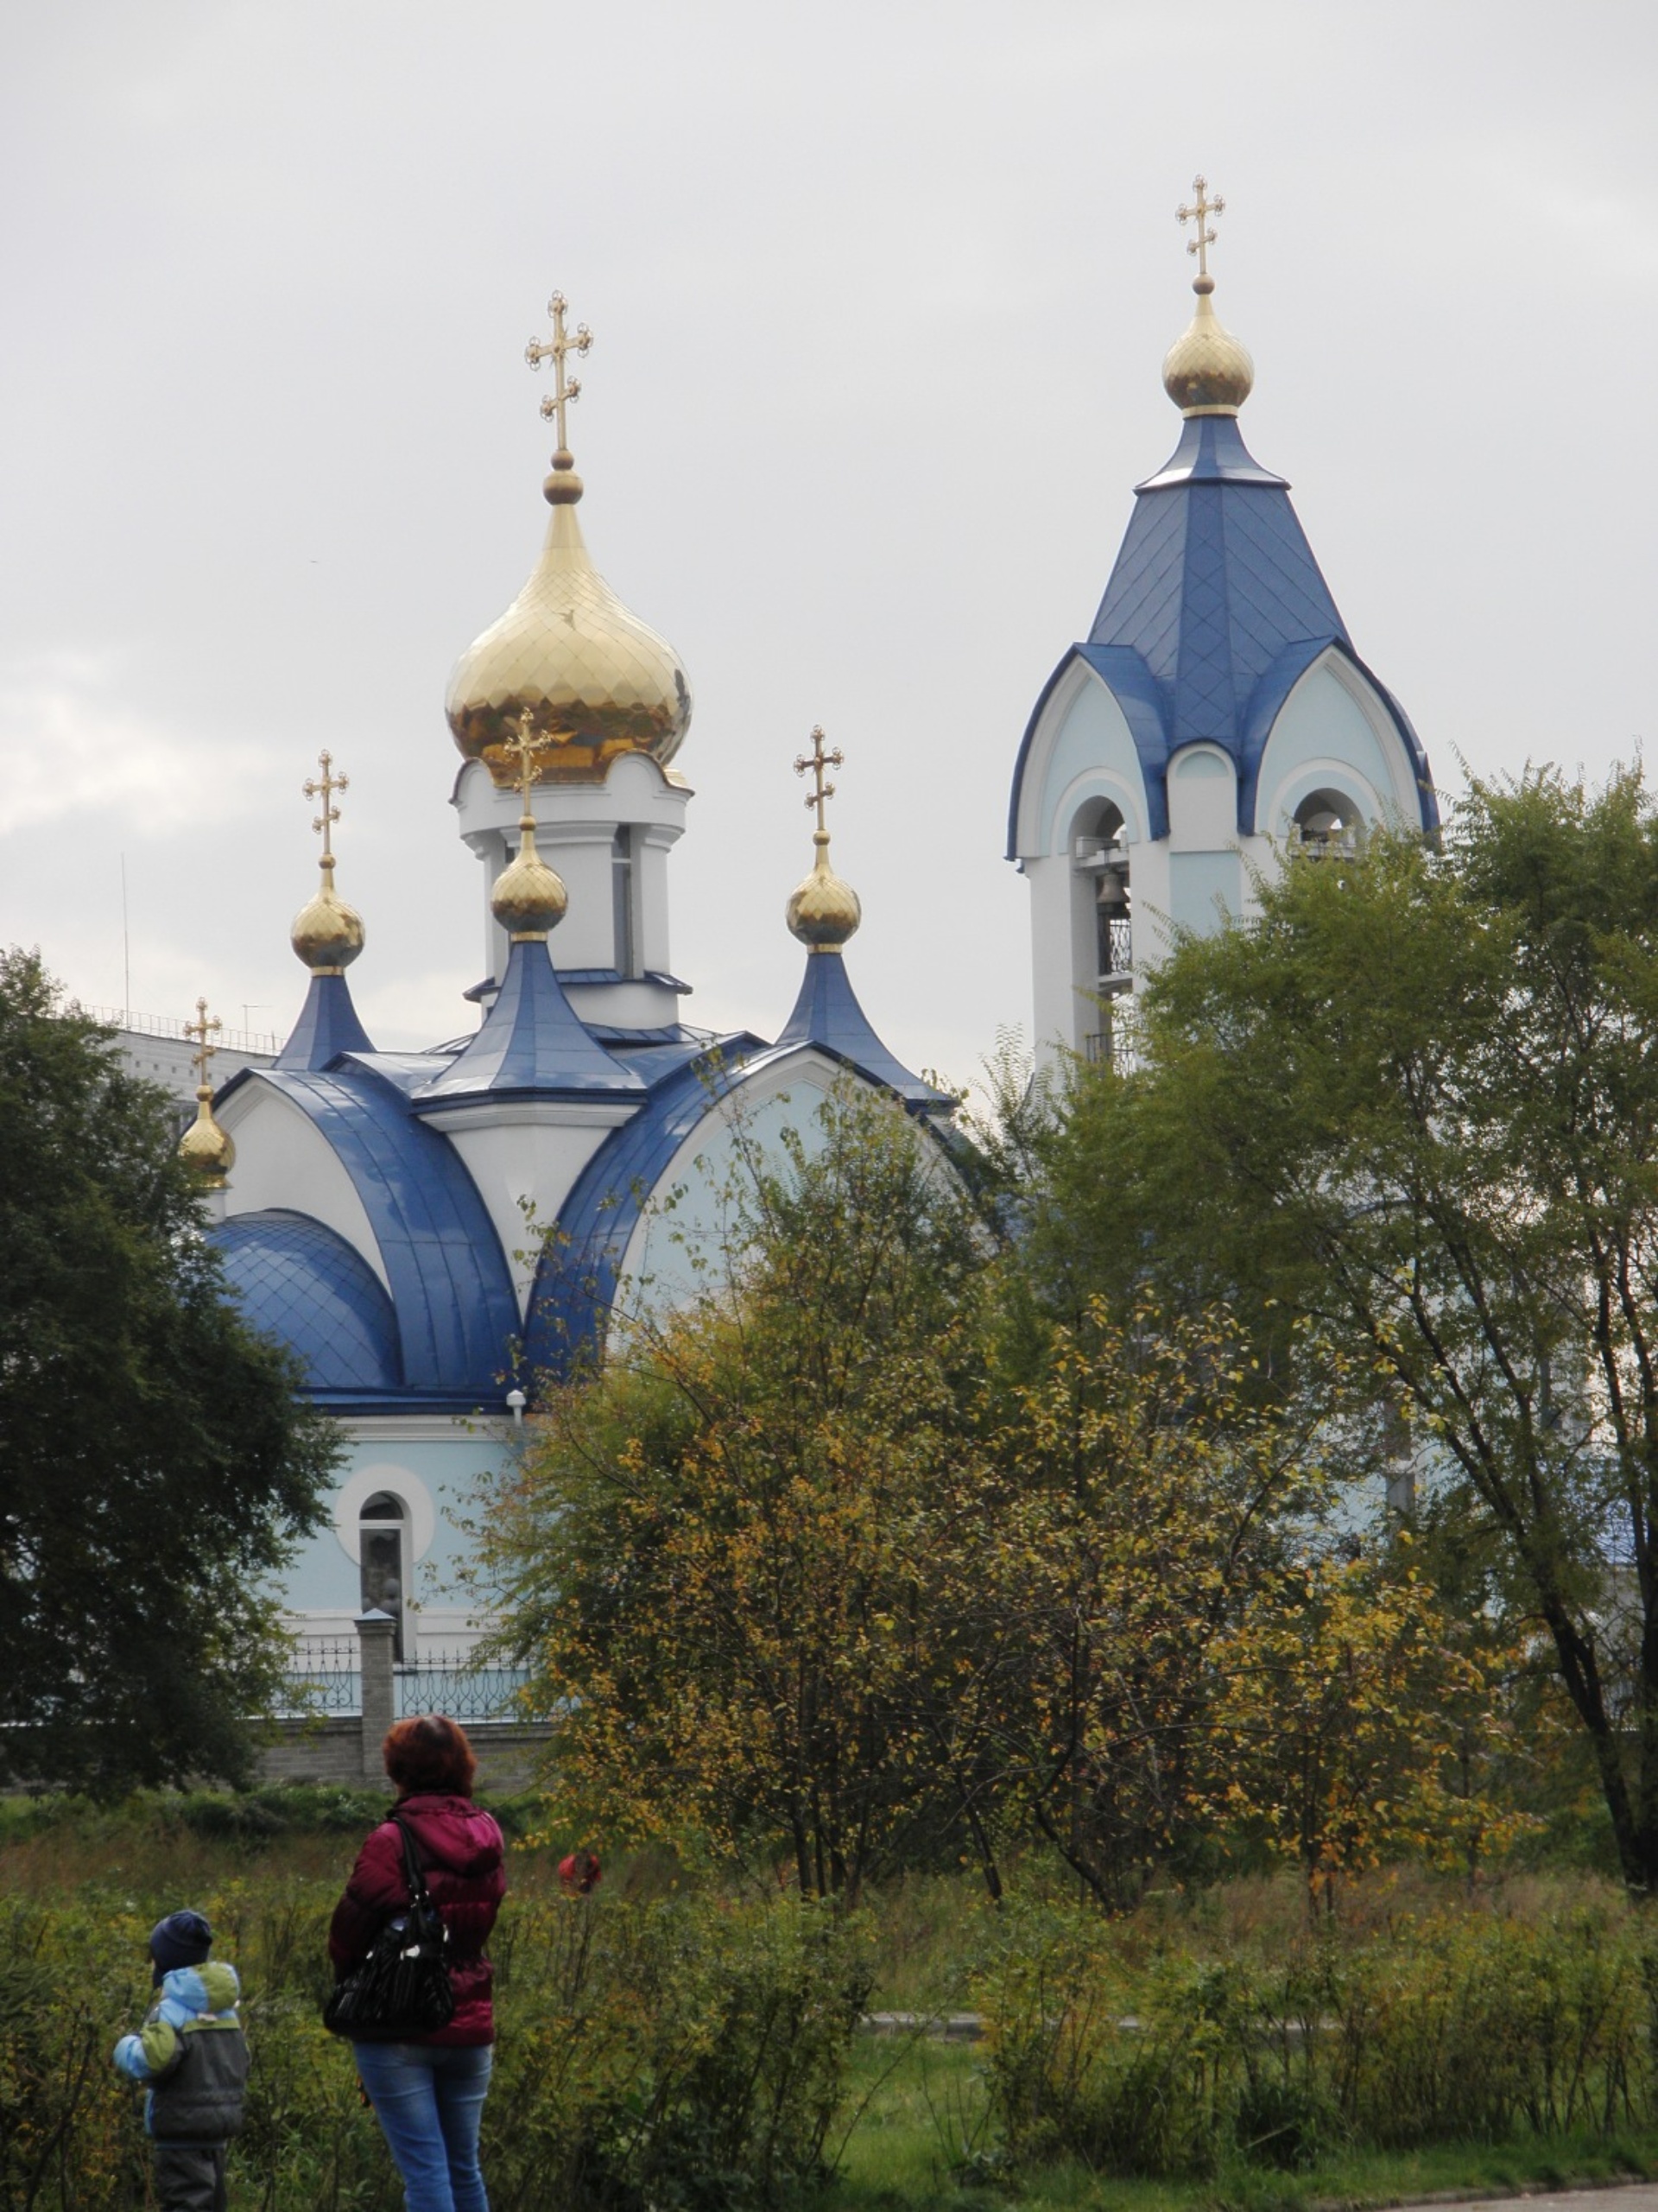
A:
(156, 1461)
(720, 1553)
(1416, 1099)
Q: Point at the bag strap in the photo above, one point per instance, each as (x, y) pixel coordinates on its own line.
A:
(419, 1897)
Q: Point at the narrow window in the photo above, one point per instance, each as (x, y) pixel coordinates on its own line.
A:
(622, 899)
(381, 1552)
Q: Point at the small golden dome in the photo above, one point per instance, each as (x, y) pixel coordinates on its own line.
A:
(328, 935)
(568, 664)
(205, 1145)
(1207, 370)
(530, 897)
(823, 912)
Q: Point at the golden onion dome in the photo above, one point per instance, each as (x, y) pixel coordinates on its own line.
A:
(205, 1145)
(1207, 370)
(328, 935)
(823, 912)
(569, 665)
(530, 897)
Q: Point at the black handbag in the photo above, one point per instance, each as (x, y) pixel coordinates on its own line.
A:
(401, 1991)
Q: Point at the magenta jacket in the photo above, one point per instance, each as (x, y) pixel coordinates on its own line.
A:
(461, 1854)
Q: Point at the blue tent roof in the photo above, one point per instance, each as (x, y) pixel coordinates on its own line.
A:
(533, 1042)
(827, 1013)
(328, 1026)
(301, 1282)
(1215, 599)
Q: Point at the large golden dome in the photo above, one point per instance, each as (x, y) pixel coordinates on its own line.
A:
(568, 664)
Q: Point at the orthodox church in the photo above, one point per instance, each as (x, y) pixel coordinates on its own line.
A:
(429, 1231)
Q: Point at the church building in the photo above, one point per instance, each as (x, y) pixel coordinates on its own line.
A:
(431, 1231)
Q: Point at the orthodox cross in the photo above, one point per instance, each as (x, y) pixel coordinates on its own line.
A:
(812, 764)
(1199, 215)
(528, 748)
(324, 789)
(565, 389)
(199, 1031)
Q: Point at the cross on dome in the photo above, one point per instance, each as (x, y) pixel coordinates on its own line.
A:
(813, 764)
(565, 389)
(1199, 213)
(528, 747)
(324, 789)
(199, 1031)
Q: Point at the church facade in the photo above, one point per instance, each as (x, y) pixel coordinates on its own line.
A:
(431, 1231)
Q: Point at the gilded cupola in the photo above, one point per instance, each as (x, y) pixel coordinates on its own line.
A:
(328, 935)
(823, 911)
(1207, 370)
(568, 664)
(205, 1145)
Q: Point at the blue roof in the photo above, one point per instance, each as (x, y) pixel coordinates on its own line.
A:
(328, 1026)
(301, 1282)
(827, 1013)
(450, 1287)
(533, 1043)
(1214, 606)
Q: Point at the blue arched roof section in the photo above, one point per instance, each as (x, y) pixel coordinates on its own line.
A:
(533, 1044)
(576, 1277)
(299, 1281)
(1214, 605)
(451, 1288)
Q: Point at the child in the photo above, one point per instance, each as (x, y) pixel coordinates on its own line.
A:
(192, 2054)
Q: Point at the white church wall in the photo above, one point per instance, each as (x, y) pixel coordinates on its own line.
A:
(281, 1153)
(1082, 736)
(1202, 801)
(521, 1148)
(673, 1253)
(432, 1465)
(1334, 731)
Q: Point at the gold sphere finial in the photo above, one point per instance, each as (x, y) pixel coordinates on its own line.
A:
(1207, 370)
(326, 935)
(823, 911)
(563, 487)
(205, 1147)
(530, 897)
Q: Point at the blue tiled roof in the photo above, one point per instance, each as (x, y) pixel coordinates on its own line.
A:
(1214, 597)
(533, 1043)
(300, 1281)
(451, 1288)
(827, 1013)
(328, 1026)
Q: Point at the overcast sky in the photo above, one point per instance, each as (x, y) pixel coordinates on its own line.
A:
(880, 294)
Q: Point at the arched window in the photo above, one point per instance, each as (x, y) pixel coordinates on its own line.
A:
(382, 1555)
(1328, 821)
(1103, 964)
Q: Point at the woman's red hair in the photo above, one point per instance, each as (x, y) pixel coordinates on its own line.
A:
(430, 1755)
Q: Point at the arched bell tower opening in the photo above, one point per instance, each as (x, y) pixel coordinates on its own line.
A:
(1101, 938)
(1328, 822)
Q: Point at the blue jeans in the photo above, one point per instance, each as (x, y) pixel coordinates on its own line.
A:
(428, 2098)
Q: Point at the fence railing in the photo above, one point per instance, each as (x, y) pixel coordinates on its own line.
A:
(326, 1678)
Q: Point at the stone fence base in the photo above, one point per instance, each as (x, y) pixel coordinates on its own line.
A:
(347, 1751)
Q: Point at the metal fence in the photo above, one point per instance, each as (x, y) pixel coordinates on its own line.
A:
(326, 1676)
(435, 1683)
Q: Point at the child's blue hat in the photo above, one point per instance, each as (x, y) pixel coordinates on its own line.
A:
(183, 1938)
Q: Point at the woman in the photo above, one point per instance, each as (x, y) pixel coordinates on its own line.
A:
(429, 2095)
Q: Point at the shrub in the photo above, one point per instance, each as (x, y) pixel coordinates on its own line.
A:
(683, 2053)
